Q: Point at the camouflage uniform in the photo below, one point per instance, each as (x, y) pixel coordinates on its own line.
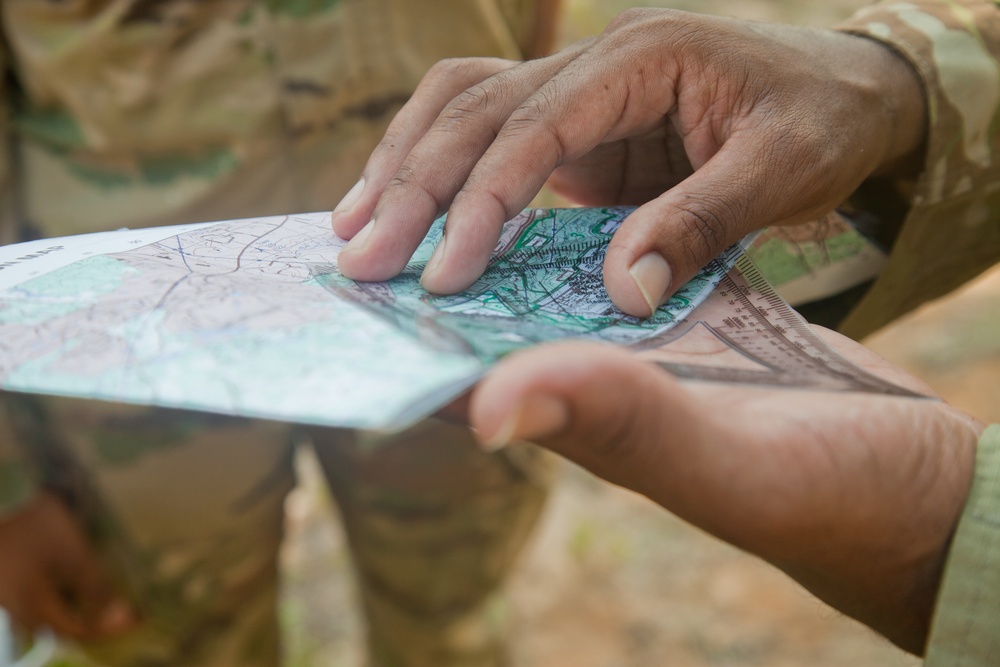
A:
(147, 112)
(942, 227)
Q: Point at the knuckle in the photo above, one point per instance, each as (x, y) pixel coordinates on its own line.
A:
(484, 193)
(469, 104)
(530, 114)
(404, 177)
(448, 69)
(466, 70)
(406, 185)
(705, 222)
(447, 76)
(534, 119)
(487, 102)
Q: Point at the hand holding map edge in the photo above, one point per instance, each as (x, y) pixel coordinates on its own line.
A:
(779, 124)
(854, 495)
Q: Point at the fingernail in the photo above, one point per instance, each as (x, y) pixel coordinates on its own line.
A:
(116, 617)
(361, 238)
(351, 198)
(537, 417)
(435, 261)
(651, 274)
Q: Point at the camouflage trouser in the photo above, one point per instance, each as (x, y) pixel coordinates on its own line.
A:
(187, 511)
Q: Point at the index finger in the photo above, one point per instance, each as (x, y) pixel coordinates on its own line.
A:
(420, 179)
(442, 83)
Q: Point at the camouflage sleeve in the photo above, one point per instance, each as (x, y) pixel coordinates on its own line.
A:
(945, 220)
(966, 628)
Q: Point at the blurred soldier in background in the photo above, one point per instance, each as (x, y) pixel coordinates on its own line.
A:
(150, 536)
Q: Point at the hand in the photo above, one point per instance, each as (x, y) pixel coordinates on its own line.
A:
(51, 578)
(715, 126)
(854, 495)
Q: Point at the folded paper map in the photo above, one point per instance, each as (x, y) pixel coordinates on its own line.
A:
(252, 317)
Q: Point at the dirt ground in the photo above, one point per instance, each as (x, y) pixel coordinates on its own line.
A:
(612, 581)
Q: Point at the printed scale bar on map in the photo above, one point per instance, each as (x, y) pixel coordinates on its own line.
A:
(252, 317)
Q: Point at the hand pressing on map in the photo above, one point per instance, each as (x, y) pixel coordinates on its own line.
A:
(854, 495)
(716, 127)
(50, 576)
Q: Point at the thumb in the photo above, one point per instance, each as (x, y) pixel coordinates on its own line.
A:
(596, 405)
(665, 242)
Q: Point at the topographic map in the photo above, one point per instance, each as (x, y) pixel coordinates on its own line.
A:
(252, 318)
(544, 283)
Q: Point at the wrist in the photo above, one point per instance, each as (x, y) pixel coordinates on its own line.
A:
(904, 110)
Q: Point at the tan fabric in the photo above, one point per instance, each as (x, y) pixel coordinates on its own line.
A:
(434, 537)
(949, 219)
(135, 113)
(966, 627)
(153, 113)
